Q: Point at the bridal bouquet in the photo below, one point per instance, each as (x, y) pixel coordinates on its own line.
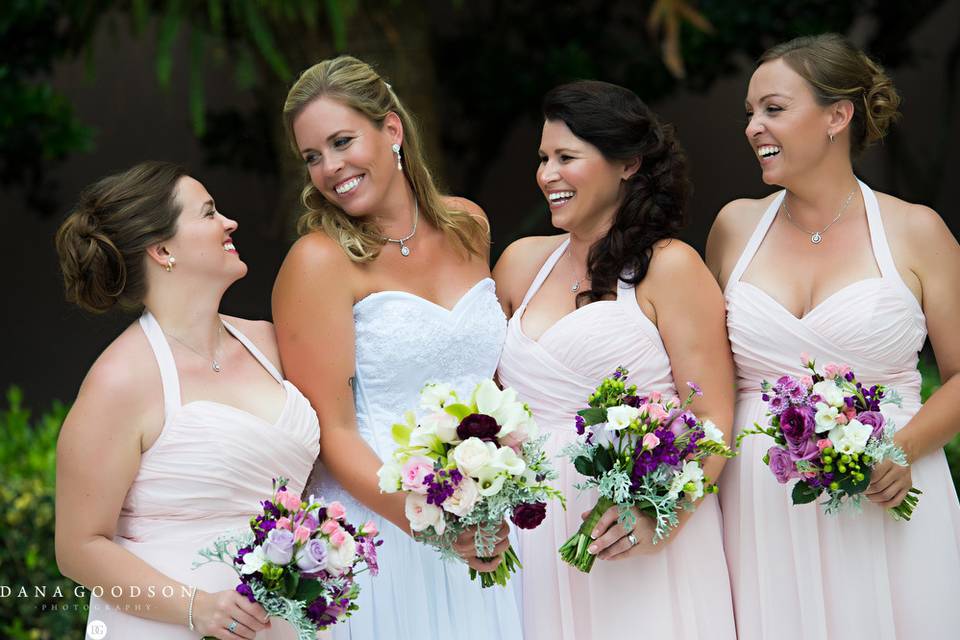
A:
(470, 463)
(299, 559)
(639, 451)
(830, 431)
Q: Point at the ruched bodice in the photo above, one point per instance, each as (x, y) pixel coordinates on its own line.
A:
(681, 592)
(404, 341)
(793, 562)
(205, 475)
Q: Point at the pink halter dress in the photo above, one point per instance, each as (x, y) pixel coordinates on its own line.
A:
(797, 573)
(204, 476)
(680, 592)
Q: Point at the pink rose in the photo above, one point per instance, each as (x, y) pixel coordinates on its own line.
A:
(806, 382)
(336, 510)
(842, 419)
(833, 370)
(338, 537)
(329, 526)
(650, 441)
(289, 501)
(654, 397)
(370, 529)
(415, 469)
(302, 534)
(284, 523)
(515, 439)
(655, 411)
(823, 444)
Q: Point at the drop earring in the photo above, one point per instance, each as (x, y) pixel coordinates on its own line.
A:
(171, 263)
(396, 150)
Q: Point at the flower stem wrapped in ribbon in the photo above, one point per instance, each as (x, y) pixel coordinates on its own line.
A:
(469, 464)
(830, 430)
(639, 451)
(299, 560)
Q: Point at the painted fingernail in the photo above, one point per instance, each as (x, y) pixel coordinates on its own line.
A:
(592, 550)
(594, 534)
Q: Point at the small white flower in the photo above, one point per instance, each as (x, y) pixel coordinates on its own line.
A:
(389, 476)
(473, 455)
(421, 514)
(621, 416)
(253, 561)
(441, 424)
(830, 392)
(691, 473)
(711, 432)
(341, 558)
(851, 437)
(506, 459)
(826, 417)
(435, 396)
(491, 485)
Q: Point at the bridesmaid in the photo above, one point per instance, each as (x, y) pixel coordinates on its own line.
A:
(182, 422)
(617, 288)
(829, 267)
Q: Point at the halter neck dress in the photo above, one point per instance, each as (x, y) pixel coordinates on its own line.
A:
(797, 573)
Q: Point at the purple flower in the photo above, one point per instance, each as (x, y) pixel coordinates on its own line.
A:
(797, 424)
(529, 515)
(804, 450)
(312, 557)
(478, 425)
(632, 401)
(246, 591)
(781, 464)
(581, 425)
(279, 546)
(875, 419)
(777, 405)
(368, 551)
(695, 388)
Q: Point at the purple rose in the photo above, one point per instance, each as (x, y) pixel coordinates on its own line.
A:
(312, 557)
(781, 464)
(279, 546)
(805, 450)
(875, 419)
(529, 515)
(478, 425)
(797, 424)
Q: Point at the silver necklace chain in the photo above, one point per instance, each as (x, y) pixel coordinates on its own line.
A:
(816, 237)
(576, 283)
(404, 249)
(214, 359)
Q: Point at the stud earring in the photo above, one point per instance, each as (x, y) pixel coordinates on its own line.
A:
(171, 263)
(396, 150)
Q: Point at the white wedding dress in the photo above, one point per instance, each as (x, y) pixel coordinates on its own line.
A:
(404, 341)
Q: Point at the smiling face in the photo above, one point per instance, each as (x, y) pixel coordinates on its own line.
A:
(350, 159)
(786, 127)
(582, 187)
(203, 244)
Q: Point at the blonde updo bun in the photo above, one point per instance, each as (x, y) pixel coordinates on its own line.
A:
(103, 241)
(837, 70)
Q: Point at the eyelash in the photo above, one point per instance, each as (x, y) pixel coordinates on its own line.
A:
(772, 110)
(340, 143)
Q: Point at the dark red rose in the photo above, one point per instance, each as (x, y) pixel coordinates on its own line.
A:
(478, 425)
(529, 515)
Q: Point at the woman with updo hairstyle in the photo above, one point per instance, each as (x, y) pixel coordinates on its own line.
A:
(387, 289)
(828, 269)
(181, 424)
(617, 288)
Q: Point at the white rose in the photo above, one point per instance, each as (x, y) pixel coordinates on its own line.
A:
(464, 497)
(422, 514)
(389, 476)
(851, 437)
(253, 561)
(826, 417)
(711, 432)
(506, 459)
(435, 396)
(621, 416)
(830, 392)
(473, 455)
(443, 425)
(341, 558)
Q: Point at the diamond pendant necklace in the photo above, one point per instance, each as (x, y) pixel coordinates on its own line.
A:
(816, 237)
(404, 249)
(576, 283)
(215, 362)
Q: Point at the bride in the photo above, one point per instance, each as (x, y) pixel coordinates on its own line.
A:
(388, 288)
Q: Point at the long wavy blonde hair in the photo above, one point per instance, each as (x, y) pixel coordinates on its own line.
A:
(356, 84)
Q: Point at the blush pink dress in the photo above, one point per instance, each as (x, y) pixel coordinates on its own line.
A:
(682, 591)
(204, 476)
(798, 574)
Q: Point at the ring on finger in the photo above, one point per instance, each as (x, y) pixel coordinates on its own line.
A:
(632, 539)
(232, 626)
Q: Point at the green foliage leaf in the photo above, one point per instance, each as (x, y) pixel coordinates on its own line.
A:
(263, 38)
(593, 416)
(291, 581)
(197, 91)
(458, 411)
(603, 459)
(802, 493)
(167, 36)
(585, 466)
(308, 590)
(401, 434)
